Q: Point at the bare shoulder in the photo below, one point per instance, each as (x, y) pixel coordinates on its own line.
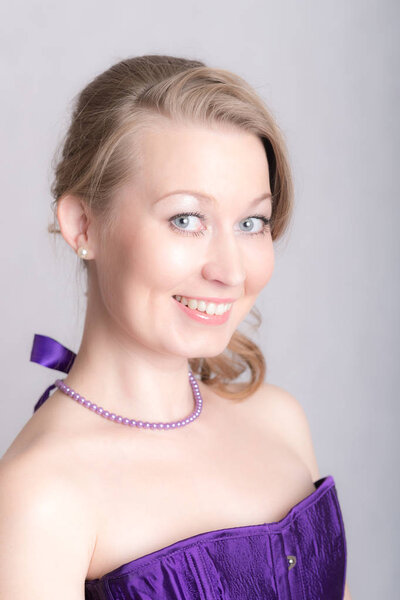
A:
(278, 408)
(45, 471)
(44, 520)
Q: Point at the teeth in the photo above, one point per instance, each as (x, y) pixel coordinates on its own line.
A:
(211, 308)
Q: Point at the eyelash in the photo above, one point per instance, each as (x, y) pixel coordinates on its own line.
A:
(202, 217)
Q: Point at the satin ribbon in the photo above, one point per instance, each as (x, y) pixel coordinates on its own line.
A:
(48, 352)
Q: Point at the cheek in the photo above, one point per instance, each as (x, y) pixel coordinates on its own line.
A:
(154, 260)
(164, 261)
(259, 269)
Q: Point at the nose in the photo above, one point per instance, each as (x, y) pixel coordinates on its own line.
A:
(225, 261)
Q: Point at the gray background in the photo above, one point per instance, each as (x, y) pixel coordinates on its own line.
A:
(329, 71)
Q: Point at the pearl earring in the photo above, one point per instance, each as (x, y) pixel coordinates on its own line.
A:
(82, 252)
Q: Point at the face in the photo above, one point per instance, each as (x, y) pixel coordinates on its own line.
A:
(157, 249)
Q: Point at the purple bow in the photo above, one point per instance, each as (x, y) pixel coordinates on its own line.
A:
(48, 352)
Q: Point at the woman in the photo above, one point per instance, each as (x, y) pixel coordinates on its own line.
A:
(176, 481)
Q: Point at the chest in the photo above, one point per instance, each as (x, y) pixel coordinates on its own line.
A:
(157, 491)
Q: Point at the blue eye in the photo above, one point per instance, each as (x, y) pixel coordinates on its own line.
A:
(184, 216)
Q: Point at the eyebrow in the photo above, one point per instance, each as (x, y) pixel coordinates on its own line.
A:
(210, 199)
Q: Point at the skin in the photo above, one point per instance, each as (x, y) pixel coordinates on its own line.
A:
(239, 463)
(136, 343)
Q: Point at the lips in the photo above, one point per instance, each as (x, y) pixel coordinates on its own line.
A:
(204, 317)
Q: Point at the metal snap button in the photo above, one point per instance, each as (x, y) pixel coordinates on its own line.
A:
(292, 561)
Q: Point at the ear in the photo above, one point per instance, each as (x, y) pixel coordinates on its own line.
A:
(74, 219)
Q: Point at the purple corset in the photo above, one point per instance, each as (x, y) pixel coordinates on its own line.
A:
(300, 557)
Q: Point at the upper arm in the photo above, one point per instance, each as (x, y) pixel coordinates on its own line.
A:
(42, 526)
(291, 419)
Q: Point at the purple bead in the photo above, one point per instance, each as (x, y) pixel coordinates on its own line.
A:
(132, 422)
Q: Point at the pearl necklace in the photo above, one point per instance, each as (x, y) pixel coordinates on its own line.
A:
(132, 422)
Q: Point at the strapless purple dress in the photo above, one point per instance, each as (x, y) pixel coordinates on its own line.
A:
(301, 557)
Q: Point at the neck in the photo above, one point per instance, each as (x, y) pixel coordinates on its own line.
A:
(128, 378)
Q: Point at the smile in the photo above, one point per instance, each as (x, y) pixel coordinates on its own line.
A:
(210, 308)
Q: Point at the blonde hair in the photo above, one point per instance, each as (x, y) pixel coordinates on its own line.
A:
(97, 157)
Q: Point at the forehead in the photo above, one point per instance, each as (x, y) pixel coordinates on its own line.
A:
(216, 160)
